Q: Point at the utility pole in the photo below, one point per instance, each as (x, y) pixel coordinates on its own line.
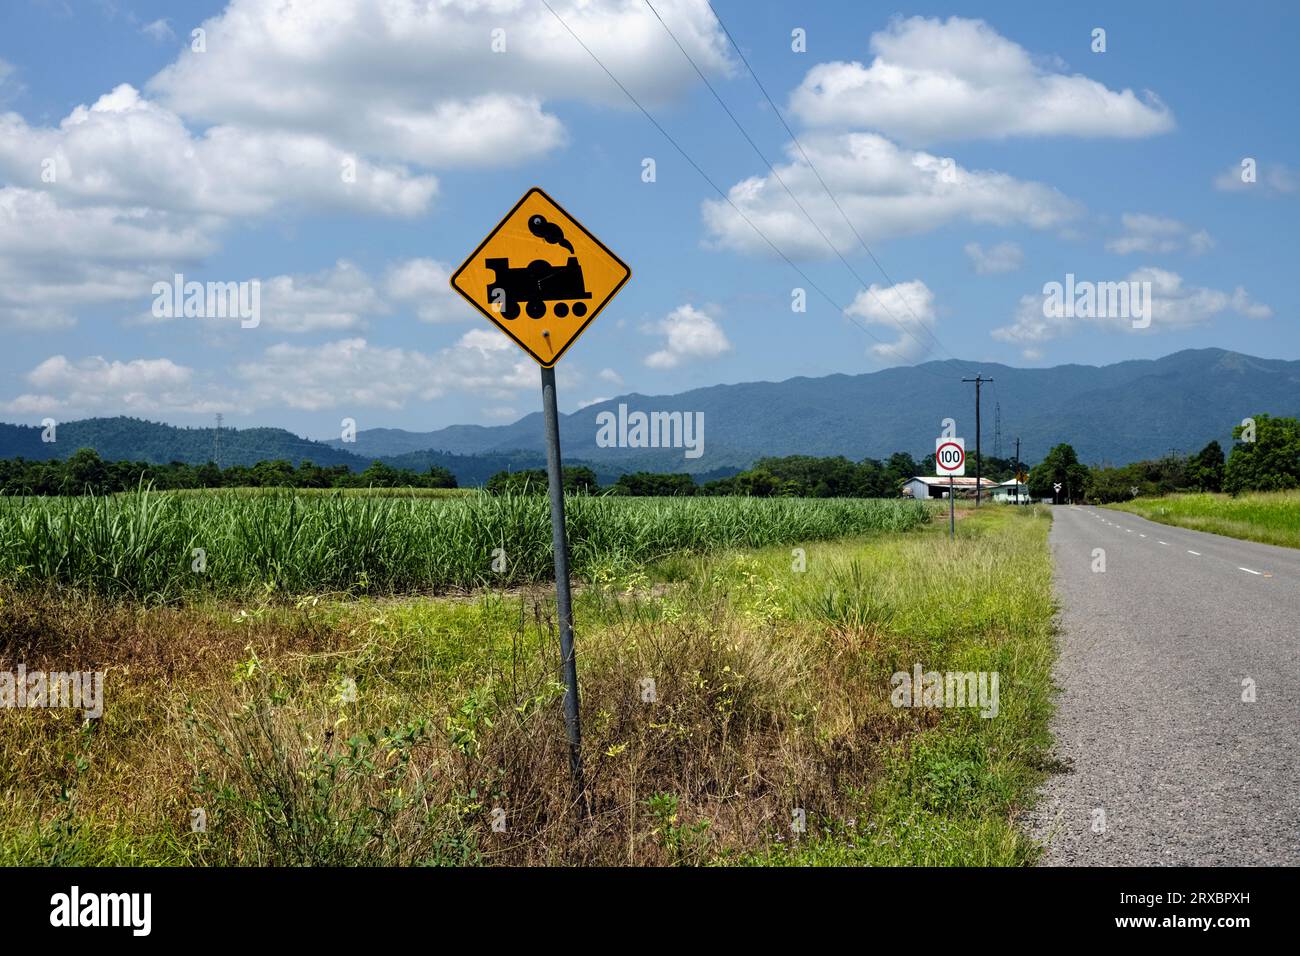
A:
(216, 441)
(979, 459)
(1016, 476)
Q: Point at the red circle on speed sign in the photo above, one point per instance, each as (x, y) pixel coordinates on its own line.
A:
(953, 466)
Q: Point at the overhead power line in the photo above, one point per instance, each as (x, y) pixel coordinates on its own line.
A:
(925, 346)
(811, 165)
(726, 198)
(830, 194)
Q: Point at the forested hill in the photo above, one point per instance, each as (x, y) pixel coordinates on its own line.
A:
(1124, 412)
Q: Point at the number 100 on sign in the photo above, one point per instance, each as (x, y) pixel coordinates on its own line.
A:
(950, 456)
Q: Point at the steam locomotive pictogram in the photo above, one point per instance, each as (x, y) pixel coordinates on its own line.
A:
(537, 283)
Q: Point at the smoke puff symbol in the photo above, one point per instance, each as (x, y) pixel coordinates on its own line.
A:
(540, 227)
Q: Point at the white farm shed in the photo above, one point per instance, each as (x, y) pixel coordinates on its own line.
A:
(1010, 490)
(925, 486)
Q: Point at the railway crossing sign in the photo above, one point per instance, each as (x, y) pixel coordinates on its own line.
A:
(541, 277)
(950, 456)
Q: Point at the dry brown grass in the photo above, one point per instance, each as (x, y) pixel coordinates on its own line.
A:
(752, 719)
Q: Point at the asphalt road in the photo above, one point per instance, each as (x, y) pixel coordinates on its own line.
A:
(1154, 651)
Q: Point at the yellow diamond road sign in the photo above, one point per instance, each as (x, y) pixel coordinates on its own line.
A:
(541, 277)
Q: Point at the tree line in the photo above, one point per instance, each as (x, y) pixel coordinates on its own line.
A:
(798, 476)
(84, 472)
(1265, 459)
(1265, 456)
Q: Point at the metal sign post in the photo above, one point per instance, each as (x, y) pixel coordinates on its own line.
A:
(563, 597)
(952, 511)
(515, 272)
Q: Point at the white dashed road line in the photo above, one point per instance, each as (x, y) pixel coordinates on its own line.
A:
(1168, 768)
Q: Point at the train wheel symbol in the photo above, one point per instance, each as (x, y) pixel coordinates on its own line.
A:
(502, 304)
(561, 309)
(536, 309)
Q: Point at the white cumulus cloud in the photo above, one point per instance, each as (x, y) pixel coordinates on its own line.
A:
(299, 106)
(1174, 305)
(1269, 179)
(424, 285)
(61, 385)
(940, 80)
(1158, 234)
(884, 190)
(126, 151)
(1002, 257)
(688, 334)
(457, 81)
(355, 373)
(160, 30)
(908, 308)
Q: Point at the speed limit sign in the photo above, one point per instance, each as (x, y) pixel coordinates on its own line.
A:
(950, 456)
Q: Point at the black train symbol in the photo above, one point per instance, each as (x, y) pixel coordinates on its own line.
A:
(537, 283)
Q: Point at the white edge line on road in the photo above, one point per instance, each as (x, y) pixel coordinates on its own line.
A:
(1249, 571)
(1197, 553)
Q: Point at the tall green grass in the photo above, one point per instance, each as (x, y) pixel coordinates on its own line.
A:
(1271, 517)
(772, 692)
(152, 546)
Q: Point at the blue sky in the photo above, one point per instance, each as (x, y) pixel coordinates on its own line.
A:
(981, 150)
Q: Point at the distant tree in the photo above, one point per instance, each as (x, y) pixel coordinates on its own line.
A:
(378, 475)
(899, 468)
(1205, 470)
(580, 480)
(86, 472)
(648, 484)
(577, 480)
(1061, 466)
(1269, 463)
(440, 477)
(994, 469)
(720, 487)
(870, 481)
(810, 477)
(273, 474)
(1109, 484)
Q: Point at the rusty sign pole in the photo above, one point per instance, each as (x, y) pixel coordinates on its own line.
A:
(563, 597)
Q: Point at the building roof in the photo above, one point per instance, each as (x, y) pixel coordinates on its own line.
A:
(958, 482)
